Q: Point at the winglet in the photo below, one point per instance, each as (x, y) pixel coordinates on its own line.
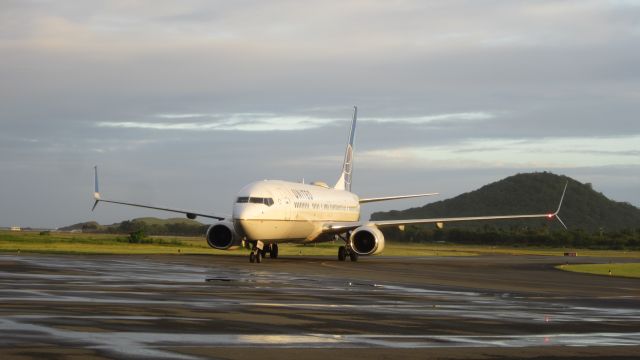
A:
(562, 198)
(555, 214)
(96, 192)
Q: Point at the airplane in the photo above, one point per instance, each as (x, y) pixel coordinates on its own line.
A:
(269, 212)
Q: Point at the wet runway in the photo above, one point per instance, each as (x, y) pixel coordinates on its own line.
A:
(192, 307)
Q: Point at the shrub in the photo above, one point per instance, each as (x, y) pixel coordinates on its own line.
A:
(137, 237)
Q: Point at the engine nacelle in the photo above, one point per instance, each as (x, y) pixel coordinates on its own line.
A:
(222, 236)
(367, 240)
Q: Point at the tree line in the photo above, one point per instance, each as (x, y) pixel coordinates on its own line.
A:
(134, 226)
(626, 239)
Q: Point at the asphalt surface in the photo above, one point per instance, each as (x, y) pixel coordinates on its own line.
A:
(195, 306)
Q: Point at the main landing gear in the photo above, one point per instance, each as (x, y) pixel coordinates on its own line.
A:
(255, 256)
(260, 250)
(344, 251)
(273, 251)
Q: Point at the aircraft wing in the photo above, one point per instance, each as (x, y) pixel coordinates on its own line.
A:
(189, 214)
(385, 198)
(338, 227)
(384, 223)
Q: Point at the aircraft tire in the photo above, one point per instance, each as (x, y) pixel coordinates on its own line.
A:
(259, 257)
(252, 257)
(274, 251)
(342, 253)
(353, 256)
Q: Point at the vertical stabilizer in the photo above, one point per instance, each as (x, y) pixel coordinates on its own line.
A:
(344, 182)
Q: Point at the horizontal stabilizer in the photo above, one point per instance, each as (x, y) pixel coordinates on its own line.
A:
(385, 198)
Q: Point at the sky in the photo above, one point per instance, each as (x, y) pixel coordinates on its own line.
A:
(182, 103)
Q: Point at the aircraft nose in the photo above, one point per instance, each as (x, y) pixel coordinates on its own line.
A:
(239, 211)
(247, 211)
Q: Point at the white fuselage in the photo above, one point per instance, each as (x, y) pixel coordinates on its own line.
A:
(273, 210)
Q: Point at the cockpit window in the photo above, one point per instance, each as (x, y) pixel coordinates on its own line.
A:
(255, 200)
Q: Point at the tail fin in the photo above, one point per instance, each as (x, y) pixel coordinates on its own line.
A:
(344, 182)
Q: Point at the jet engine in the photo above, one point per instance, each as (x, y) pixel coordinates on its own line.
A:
(367, 240)
(222, 236)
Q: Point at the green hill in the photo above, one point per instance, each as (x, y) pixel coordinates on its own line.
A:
(583, 208)
(89, 225)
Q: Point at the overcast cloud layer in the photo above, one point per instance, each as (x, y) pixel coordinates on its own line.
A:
(182, 103)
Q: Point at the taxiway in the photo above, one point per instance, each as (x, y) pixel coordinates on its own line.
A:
(195, 306)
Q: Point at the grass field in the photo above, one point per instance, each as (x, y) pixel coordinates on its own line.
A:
(625, 270)
(59, 242)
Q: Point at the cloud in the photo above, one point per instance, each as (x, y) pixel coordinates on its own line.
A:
(550, 153)
(180, 116)
(273, 122)
(452, 117)
(236, 122)
(472, 86)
